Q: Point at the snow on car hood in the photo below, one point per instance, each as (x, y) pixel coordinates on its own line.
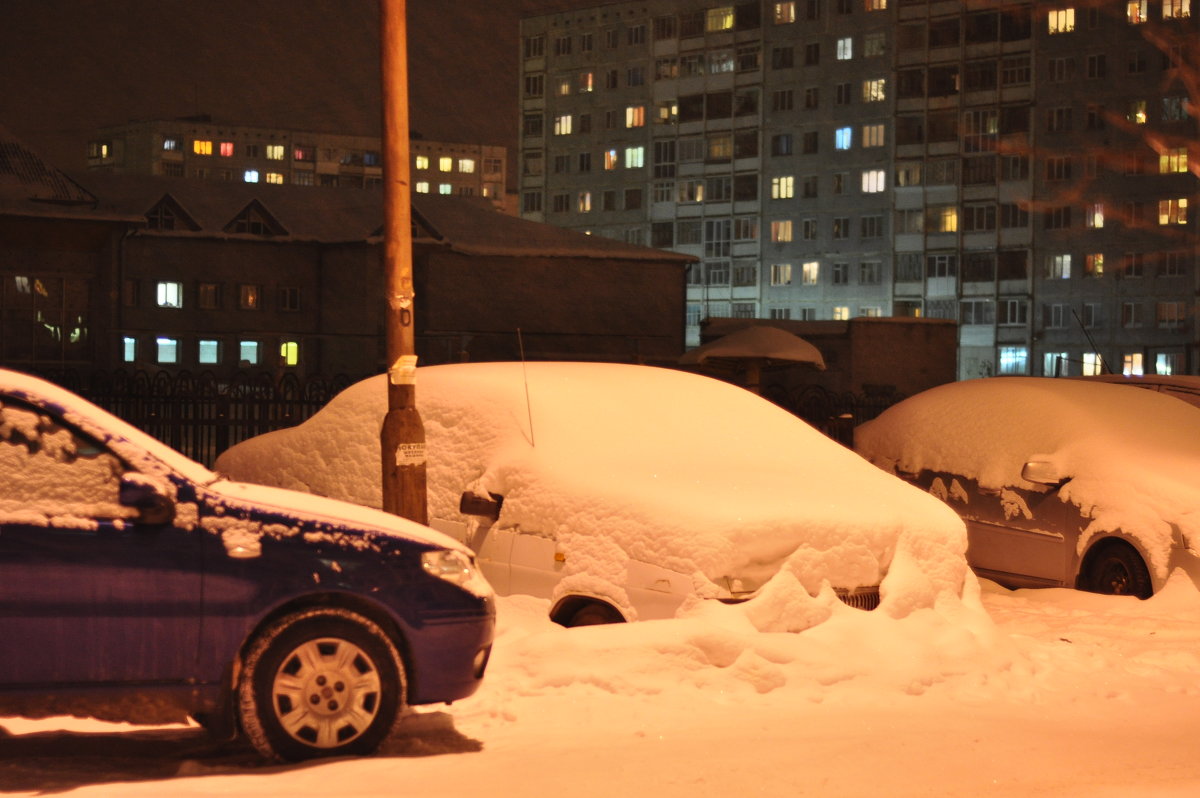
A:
(1132, 455)
(329, 513)
(675, 469)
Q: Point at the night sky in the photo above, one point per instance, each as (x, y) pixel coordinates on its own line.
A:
(71, 66)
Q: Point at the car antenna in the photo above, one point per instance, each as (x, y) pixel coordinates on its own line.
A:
(525, 374)
(1104, 369)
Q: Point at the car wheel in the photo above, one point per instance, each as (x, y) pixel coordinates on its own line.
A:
(593, 615)
(320, 682)
(1117, 569)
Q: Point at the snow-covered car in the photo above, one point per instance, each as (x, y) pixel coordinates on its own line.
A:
(137, 585)
(621, 492)
(1062, 483)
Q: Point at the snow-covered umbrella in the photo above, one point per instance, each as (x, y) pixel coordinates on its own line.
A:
(750, 350)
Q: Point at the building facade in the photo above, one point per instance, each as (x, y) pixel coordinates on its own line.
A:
(202, 149)
(1027, 169)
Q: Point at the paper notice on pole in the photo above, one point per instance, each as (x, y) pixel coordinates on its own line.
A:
(410, 454)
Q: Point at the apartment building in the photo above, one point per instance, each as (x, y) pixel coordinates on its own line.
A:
(200, 148)
(1024, 168)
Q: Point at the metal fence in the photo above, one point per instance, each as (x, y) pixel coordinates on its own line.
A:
(835, 414)
(199, 414)
(202, 416)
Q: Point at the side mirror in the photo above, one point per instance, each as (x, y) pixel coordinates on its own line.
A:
(149, 498)
(489, 507)
(1041, 472)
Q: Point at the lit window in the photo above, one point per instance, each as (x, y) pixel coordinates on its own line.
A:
(611, 161)
(845, 49)
(874, 91)
(275, 178)
(275, 152)
(1060, 20)
(421, 162)
(781, 274)
(248, 353)
(1093, 364)
(248, 296)
(585, 201)
(250, 176)
(1093, 264)
(635, 157)
(1174, 159)
(1137, 112)
(783, 187)
(781, 230)
(166, 350)
(873, 181)
(169, 295)
(875, 5)
(784, 13)
(1176, 9)
(872, 135)
(1135, 12)
(289, 353)
(718, 19)
(129, 349)
(422, 187)
(635, 116)
(1172, 211)
(1131, 365)
(466, 165)
(1014, 360)
(445, 188)
(445, 164)
(1169, 363)
(1054, 364)
(562, 125)
(1093, 214)
(1058, 267)
(586, 82)
(209, 351)
(170, 144)
(201, 147)
(810, 272)
(842, 138)
(226, 149)
(841, 313)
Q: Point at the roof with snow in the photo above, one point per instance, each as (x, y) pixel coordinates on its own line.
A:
(343, 215)
(30, 186)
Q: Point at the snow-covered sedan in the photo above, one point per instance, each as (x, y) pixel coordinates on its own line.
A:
(137, 585)
(623, 492)
(1062, 483)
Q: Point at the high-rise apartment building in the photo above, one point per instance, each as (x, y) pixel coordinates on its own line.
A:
(202, 149)
(1025, 168)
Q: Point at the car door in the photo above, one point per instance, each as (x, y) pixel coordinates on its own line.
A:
(87, 593)
(1015, 536)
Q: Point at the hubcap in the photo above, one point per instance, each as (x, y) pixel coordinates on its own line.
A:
(1115, 578)
(326, 692)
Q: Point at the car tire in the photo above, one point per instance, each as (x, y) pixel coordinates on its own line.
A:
(319, 683)
(594, 614)
(1116, 568)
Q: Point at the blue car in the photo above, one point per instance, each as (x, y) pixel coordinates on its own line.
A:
(137, 585)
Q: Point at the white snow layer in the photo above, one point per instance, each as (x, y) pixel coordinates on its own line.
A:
(674, 469)
(1132, 455)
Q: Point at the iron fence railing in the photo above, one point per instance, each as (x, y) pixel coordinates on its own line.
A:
(198, 413)
(202, 415)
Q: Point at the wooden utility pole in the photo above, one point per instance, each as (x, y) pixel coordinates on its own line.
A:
(402, 439)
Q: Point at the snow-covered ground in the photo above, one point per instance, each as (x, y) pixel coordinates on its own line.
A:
(1051, 693)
